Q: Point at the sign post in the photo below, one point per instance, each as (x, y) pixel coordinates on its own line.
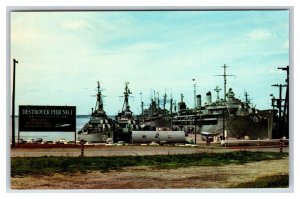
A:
(13, 141)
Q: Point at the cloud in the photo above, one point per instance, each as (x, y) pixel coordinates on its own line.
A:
(144, 46)
(74, 24)
(259, 35)
(67, 51)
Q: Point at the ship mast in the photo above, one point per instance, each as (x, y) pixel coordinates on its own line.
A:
(247, 100)
(165, 99)
(99, 102)
(126, 96)
(158, 101)
(225, 80)
(142, 103)
(171, 105)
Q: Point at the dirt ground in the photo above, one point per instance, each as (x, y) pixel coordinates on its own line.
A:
(43, 150)
(149, 178)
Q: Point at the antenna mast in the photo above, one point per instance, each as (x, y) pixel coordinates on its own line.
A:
(225, 80)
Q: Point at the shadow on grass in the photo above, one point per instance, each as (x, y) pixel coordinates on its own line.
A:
(276, 181)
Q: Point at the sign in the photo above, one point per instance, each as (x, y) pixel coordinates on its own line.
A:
(47, 118)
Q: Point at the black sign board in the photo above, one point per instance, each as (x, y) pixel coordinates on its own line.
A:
(47, 118)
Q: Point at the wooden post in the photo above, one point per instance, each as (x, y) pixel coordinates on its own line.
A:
(75, 140)
(281, 145)
(82, 142)
(223, 124)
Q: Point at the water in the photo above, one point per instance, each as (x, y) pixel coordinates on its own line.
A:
(51, 136)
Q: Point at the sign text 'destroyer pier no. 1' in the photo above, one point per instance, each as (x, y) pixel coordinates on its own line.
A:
(47, 118)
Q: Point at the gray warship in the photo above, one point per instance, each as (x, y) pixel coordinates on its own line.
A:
(100, 127)
(125, 120)
(237, 119)
(227, 118)
(156, 116)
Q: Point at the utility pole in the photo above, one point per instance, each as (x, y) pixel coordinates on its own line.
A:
(223, 124)
(195, 106)
(286, 102)
(195, 127)
(194, 93)
(171, 111)
(142, 104)
(225, 80)
(13, 104)
(279, 107)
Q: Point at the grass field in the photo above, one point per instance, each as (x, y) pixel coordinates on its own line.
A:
(47, 165)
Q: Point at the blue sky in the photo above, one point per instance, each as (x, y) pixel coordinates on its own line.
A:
(62, 55)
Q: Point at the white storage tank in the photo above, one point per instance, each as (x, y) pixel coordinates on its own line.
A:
(158, 136)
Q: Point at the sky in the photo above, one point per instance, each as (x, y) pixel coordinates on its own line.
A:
(62, 55)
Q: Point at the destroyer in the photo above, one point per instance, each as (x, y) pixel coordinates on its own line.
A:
(100, 126)
(125, 120)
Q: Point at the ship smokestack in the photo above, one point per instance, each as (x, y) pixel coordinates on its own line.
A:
(208, 97)
(198, 101)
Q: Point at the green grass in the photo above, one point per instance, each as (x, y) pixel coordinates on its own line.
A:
(276, 181)
(47, 165)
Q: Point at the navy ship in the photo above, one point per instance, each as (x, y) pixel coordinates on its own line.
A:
(227, 118)
(237, 119)
(156, 116)
(100, 127)
(125, 120)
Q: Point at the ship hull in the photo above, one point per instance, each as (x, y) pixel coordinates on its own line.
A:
(252, 126)
(158, 136)
(94, 137)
